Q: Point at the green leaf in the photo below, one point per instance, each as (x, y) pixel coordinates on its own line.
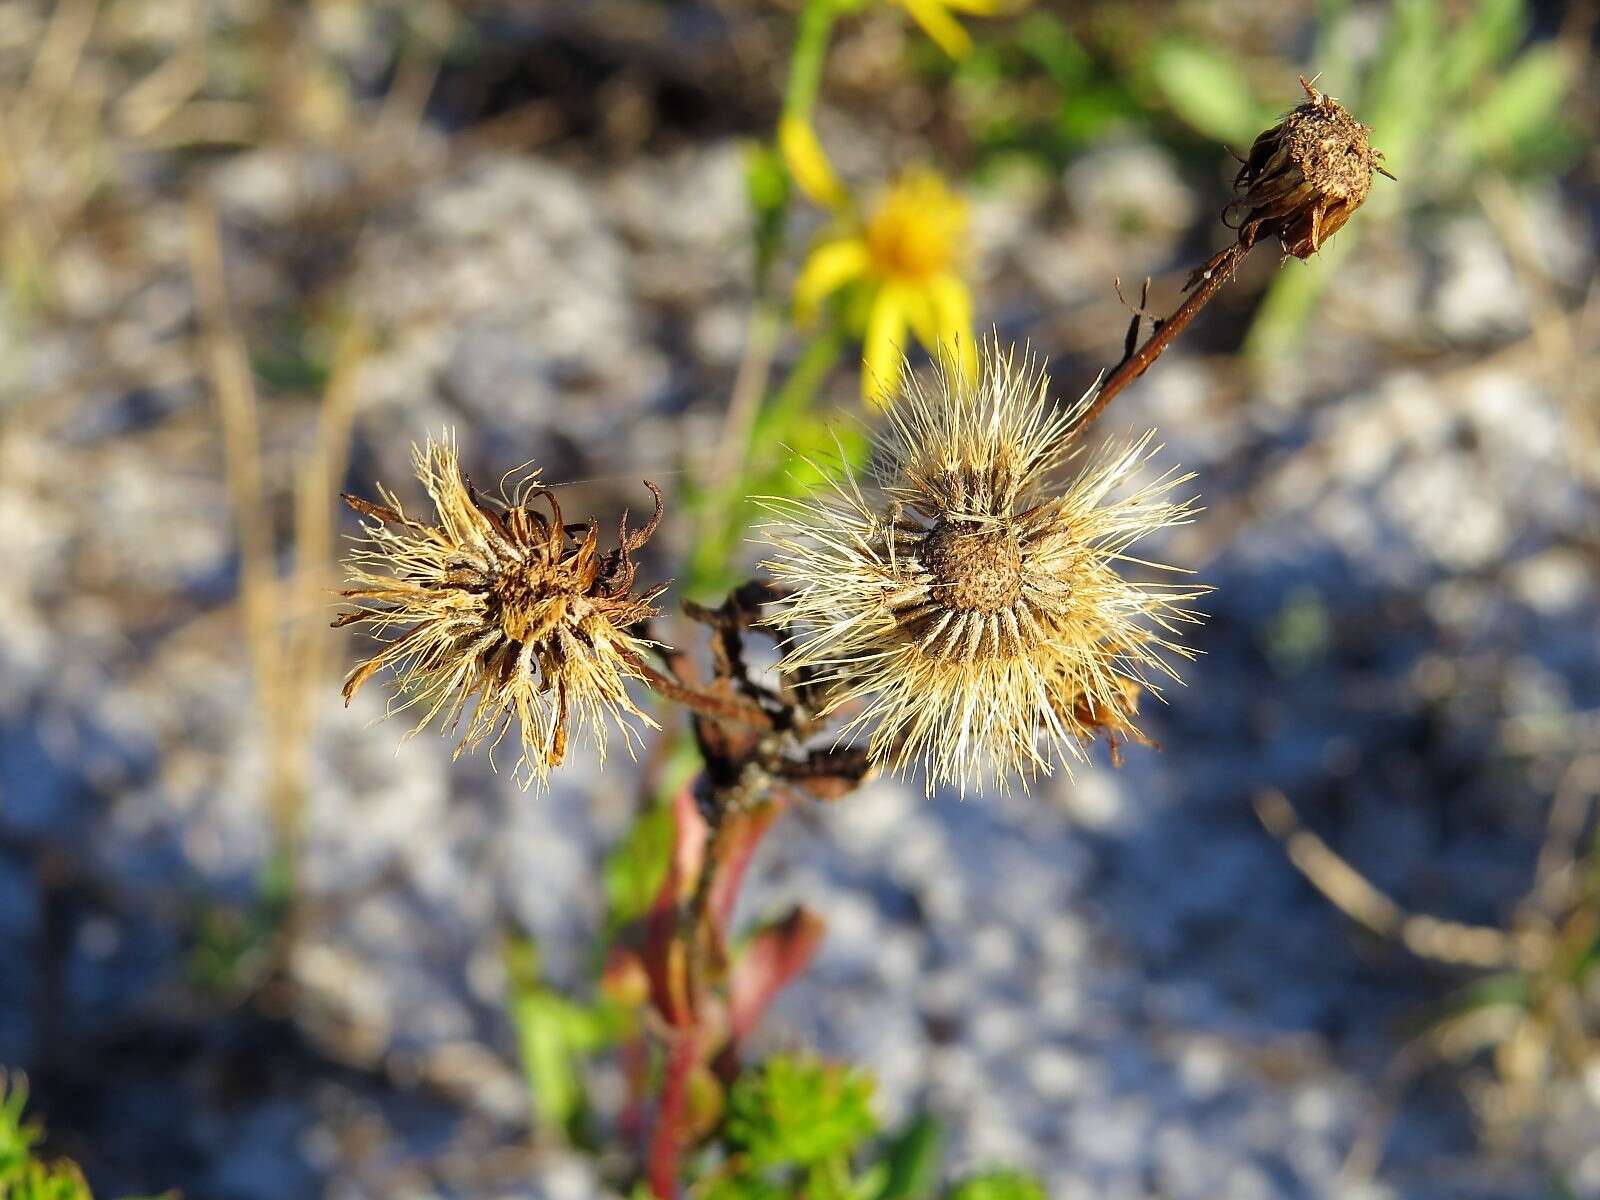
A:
(1204, 87)
(870, 1183)
(22, 1176)
(554, 1035)
(636, 869)
(17, 1138)
(740, 1186)
(1487, 37)
(913, 1159)
(1000, 1185)
(1046, 39)
(1290, 302)
(765, 179)
(1400, 101)
(1332, 50)
(766, 182)
(1524, 106)
(798, 1111)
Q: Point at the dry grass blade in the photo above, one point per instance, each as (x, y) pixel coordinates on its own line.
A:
(316, 509)
(1449, 942)
(234, 395)
(1555, 875)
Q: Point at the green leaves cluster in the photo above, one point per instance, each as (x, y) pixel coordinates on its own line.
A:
(799, 1112)
(1468, 87)
(799, 1126)
(23, 1175)
(1010, 117)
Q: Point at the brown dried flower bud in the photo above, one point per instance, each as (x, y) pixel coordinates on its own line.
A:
(1306, 175)
(501, 609)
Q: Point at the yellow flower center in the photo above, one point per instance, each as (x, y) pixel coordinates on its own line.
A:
(918, 229)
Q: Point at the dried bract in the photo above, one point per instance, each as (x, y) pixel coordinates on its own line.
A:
(977, 616)
(1305, 176)
(499, 613)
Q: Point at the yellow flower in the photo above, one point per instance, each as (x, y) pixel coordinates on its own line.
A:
(907, 251)
(937, 21)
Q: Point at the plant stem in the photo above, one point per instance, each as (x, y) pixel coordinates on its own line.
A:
(718, 708)
(805, 61)
(726, 506)
(749, 385)
(1209, 280)
(666, 1143)
(797, 392)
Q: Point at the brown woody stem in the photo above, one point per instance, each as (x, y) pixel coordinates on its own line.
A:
(718, 708)
(1207, 281)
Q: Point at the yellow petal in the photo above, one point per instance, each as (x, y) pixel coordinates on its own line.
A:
(938, 24)
(917, 304)
(952, 318)
(808, 163)
(884, 353)
(829, 267)
(985, 8)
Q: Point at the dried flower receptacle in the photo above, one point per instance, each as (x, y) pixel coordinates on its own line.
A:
(1306, 175)
(501, 609)
(1302, 181)
(978, 617)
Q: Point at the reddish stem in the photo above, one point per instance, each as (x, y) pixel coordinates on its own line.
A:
(666, 1144)
(718, 708)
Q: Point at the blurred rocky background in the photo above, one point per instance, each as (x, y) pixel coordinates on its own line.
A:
(253, 250)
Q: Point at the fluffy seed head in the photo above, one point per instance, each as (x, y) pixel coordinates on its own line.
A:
(500, 609)
(972, 610)
(1306, 175)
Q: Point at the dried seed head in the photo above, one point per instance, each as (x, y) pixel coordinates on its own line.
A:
(1306, 175)
(500, 608)
(972, 570)
(973, 612)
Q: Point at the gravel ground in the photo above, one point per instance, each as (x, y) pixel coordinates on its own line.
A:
(1117, 981)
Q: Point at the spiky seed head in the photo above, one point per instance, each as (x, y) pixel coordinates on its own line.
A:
(1306, 175)
(966, 598)
(499, 614)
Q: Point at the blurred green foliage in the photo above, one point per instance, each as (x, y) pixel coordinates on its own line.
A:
(799, 1112)
(1461, 80)
(791, 448)
(1300, 634)
(798, 1126)
(23, 1175)
(555, 1035)
(999, 1185)
(995, 89)
(231, 947)
(635, 870)
(1467, 90)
